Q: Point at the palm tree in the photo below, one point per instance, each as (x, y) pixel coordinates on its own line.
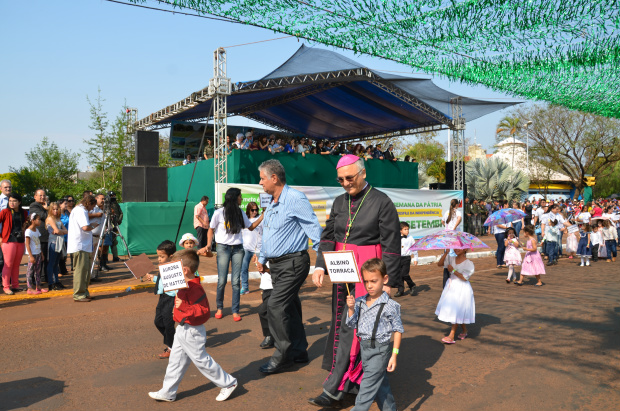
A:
(493, 179)
(508, 127)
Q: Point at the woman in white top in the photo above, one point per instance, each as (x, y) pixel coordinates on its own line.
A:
(251, 244)
(452, 218)
(227, 225)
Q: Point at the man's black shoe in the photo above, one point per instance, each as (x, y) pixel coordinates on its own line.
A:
(95, 280)
(116, 260)
(104, 268)
(323, 401)
(413, 291)
(399, 293)
(271, 368)
(302, 359)
(267, 343)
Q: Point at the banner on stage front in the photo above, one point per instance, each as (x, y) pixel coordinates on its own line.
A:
(172, 277)
(423, 210)
(342, 267)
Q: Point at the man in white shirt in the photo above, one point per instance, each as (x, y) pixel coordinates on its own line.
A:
(80, 244)
(5, 187)
(539, 212)
(554, 214)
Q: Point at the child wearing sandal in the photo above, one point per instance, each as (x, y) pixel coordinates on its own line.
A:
(512, 257)
(457, 305)
(533, 264)
(33, 248)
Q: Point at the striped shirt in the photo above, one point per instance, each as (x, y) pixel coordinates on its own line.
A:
(389, 322)
(288, 224)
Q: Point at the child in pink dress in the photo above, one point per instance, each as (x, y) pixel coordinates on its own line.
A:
(512, 257)
(532, 262)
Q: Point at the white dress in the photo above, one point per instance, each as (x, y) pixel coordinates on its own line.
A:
(457, 305)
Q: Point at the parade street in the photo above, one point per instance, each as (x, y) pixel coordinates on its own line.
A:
(554, 347)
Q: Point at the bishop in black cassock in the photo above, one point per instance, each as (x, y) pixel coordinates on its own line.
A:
(365, 221)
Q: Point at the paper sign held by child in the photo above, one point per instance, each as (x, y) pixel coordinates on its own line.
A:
(172, 277)
(342, 267)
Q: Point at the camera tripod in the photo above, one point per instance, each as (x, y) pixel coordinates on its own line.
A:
(108, 227)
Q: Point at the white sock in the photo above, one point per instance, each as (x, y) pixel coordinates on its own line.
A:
(510, 271)
(582, 260)
(587, 260)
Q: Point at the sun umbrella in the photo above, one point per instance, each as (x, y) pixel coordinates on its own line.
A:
(504, 216)
(447, 239)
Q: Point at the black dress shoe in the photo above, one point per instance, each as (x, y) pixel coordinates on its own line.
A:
(104, 268)
(267, 343)
(413, 291)
(116, 260)
(271, 368)
(399, 294)
(323, 401)
(302, 359)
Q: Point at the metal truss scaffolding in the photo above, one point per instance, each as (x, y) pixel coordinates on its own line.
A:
(219, 90)
(457, 142)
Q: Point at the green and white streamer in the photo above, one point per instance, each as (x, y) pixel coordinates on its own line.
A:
(562, 51)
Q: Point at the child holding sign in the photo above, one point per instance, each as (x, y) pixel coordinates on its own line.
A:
(375, 317)
(191, 311)
(163, 311)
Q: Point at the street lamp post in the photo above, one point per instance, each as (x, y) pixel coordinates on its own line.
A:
(527, 146)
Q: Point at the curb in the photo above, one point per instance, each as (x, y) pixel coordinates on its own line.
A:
(65, 293)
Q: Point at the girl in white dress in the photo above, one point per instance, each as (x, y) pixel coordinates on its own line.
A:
(452, 218)
(457, 305)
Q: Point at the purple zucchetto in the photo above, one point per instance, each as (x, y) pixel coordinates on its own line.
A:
(347, 160)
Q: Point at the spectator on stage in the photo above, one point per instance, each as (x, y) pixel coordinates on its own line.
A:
(238, 144)
(263, 144)
(40, 207)
(80, 244)
(201, 221)
(320, 148)
(407, 158)
(247, 141)
(378, 153)
(290, 146)
(5, 189)
(255, 145)
(389, 154)
(188, 160)
(277, 147)
(207, 153)
(368, 154)
(358, 150)
(301, 147)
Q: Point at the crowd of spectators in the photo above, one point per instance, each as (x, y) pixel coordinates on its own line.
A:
(54, 237)
(278, 144)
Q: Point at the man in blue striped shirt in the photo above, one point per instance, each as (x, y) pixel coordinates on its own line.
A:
(288, 223)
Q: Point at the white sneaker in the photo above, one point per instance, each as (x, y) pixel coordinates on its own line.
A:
(159, 397)
(225, 392)
(587, 264)
(581, 265)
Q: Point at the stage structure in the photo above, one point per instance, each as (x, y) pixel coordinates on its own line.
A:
(457, 142)
(219, 90)
(324, 95)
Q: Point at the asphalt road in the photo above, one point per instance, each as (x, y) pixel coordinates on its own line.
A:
(532, 348)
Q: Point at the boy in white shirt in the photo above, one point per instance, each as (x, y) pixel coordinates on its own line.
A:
(406, 241)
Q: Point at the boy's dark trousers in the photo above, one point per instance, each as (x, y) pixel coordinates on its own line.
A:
(552, 251)
(375, 385)
(163, 318)
(405, 266)
(594, 249)
(262, 313)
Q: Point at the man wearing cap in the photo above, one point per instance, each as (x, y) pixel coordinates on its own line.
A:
(365, 221)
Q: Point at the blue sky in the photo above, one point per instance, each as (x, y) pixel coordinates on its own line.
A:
(55, 53)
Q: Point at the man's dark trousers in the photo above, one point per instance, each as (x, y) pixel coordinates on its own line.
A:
(284, 307)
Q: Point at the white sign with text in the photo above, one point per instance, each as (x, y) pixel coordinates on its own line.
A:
(342, 267)
(265, 200)
(172, 277)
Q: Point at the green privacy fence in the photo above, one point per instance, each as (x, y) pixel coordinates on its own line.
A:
(146, 225)
(311, 170)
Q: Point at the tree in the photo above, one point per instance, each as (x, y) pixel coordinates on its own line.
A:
(165, 160)
(508, 127)
(51, 166)
(492, 179)
(98, 147)
(121, 152)
(430, 155)
(573, 142)
(609, 185)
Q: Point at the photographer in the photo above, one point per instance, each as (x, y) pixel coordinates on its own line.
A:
(116, 217)
(80, 244)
